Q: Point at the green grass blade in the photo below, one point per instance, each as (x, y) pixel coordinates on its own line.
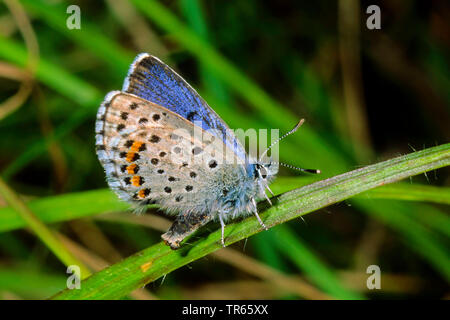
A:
(433, 217)
(397, 191)
(52, 75)
(417, 236)
(40, 229)
(193, 12)
(410, 192)
(158, 260)
(315, 270)
(60, 208)
(89, 36)
(40, 146)
(30, 284)
(61, 81)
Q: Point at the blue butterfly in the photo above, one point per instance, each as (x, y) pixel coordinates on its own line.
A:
(148, 143)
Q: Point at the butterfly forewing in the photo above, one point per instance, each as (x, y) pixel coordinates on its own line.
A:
(151, 79)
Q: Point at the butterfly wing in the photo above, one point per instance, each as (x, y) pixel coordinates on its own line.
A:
(151, 79)
(153, 155)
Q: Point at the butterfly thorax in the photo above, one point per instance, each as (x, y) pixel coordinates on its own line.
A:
(241, 186)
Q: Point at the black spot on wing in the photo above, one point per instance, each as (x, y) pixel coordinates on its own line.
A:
(191, 115)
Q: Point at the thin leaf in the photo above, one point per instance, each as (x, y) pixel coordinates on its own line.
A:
(316, 270)
(158, 260)
(59, 208)
(40, 229)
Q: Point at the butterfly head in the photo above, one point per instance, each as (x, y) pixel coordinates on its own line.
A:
(261, 175)
(265, 172)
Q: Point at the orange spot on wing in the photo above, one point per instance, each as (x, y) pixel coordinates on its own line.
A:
(131, 168)
(136, 181)
(141, 193)
(130, 156)
(135, 146)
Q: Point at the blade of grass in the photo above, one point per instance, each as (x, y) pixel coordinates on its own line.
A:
(193, 11)
(54, 14)
(40, 229)
(433, 218)
(266, 251)
(30, 283)
(41, 145)
(158, 260)
(397, 191)
(52, 75)
(229, 256)
(59, 209)
(410, 192)
(315, 270)
(61, 81)
(417, 236)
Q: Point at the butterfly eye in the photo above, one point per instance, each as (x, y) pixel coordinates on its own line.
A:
(259, 171)
(262, 172)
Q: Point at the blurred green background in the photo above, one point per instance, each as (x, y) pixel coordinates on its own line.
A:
(367, 96)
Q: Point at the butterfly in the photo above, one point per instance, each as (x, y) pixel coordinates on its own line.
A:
(160, 143)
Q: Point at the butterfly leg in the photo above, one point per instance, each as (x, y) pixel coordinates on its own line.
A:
(183, 226)
(257, 215)
(222, 225)
(262, 186)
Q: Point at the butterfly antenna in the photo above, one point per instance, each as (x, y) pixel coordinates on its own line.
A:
(298, 125)
(315, 171)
